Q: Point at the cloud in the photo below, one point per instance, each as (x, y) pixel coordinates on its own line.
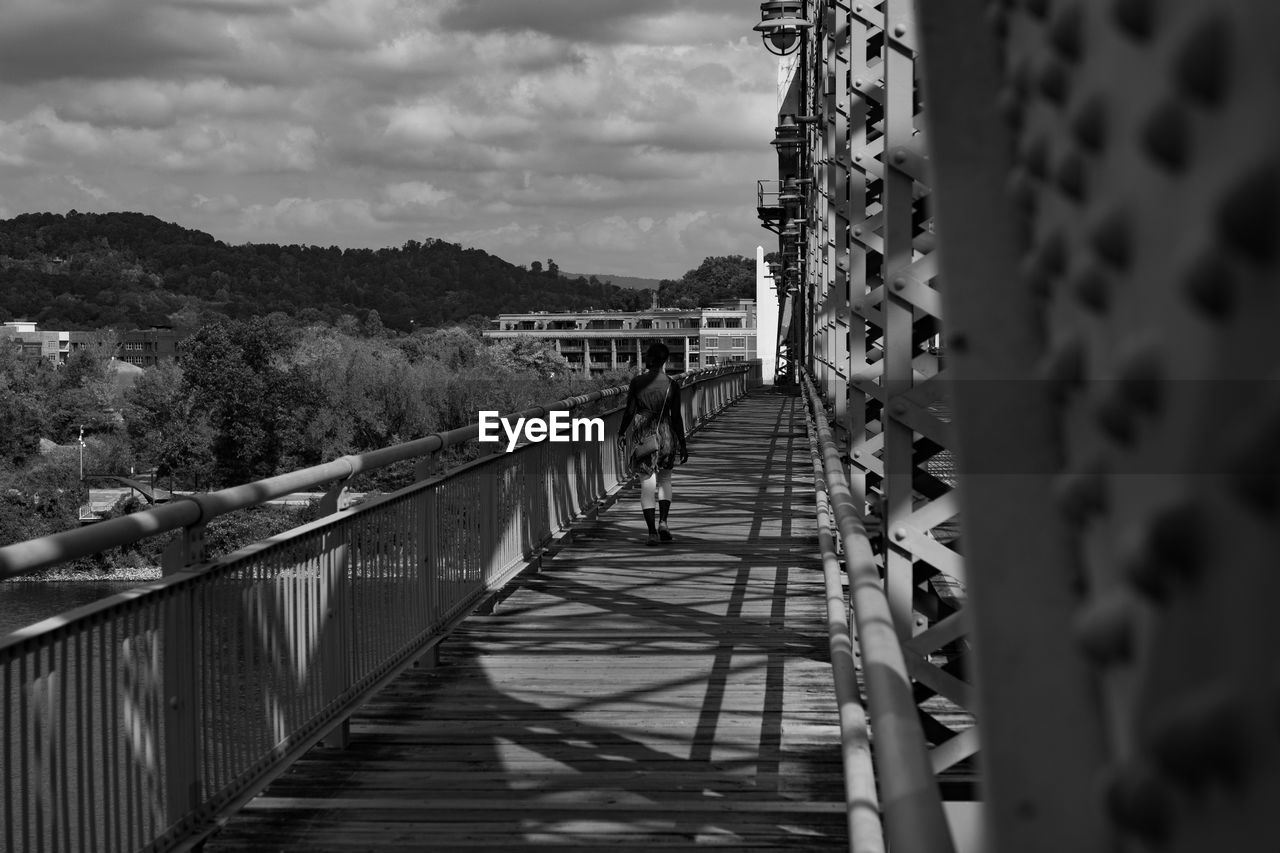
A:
(270, 146)
(625, 135)
(603, 21)
(45, 39)
(95, 193)
(411, 201)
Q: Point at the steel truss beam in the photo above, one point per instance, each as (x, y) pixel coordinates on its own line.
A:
(872, 313)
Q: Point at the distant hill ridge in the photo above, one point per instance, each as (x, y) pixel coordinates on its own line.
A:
(94, 270)
(620, 280)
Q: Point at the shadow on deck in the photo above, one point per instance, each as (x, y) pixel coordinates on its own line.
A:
(625, 698)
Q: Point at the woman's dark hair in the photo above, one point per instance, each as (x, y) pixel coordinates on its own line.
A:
(656, 355)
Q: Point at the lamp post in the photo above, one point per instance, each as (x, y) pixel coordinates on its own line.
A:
(782, 25)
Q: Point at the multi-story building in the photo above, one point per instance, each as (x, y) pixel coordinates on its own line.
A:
(141, 347)
(149, 347)
(600, 341)
(54, 346)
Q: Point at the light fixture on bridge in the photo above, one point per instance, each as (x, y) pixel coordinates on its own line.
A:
(788, 137)
(789, 193)
(783, 22)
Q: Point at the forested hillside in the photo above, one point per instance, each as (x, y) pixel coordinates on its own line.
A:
(91, 270)
(249, 399)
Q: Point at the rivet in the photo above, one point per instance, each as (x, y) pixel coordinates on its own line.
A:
(998, 21)
(1166, 136)
(1020, 75)
(1254, 465)
(899, 408)
(1037, 282)
(1022, 191)
(899, 30)
(1070, 177)
(1112, 238)
(1081, 493)
(1138, 802)
(1010, 107)
(1201, 737)
(173, 702)
(857, 83)
(1172, 549)
(1052, 255)
(1201, 63)
(1053, 82)
(1064, 366)
(858, 306)
(1092, 289)
(1036, 157)
(857, 230)
(1115, 418)
(1104, 629)
(899, 534)
(1136, 17)
(958, 341)
(899, 284)
(1210, 284)
(1250, 213)
(1141, 380)
(1089, 124)
(1065, 34)
(899, 158)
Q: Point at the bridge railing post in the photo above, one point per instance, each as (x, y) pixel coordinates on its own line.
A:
(335, 639)
(180, 682)
(181, 708)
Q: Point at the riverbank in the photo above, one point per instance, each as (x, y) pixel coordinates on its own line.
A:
(130, 574)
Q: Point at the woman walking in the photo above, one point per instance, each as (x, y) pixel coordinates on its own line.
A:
(654, 429)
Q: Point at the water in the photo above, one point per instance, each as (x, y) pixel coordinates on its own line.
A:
(22, 604)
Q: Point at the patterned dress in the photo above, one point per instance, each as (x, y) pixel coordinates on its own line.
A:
(653, 405)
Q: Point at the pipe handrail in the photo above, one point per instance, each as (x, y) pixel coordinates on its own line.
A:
(861, 802)
(29, 556)
(911, 800)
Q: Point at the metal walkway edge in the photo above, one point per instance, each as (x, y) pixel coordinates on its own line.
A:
(625, 698)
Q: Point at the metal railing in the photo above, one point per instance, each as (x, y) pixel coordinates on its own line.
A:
(136, 721)
(910, 799)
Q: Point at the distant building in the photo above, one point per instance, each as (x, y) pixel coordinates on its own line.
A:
(149, 347)
(140, 347)
(54, 346)
(600, 341)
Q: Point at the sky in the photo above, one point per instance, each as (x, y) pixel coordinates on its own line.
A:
(617, 136)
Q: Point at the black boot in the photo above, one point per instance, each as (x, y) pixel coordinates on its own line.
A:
(664, 507)
(653, 530)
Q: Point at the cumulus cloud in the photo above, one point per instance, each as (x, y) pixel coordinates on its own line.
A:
(624, 134)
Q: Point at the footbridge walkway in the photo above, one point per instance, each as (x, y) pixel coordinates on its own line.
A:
(1021, 503)
(622, 697)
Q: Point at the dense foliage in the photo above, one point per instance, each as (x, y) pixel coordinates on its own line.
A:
(91, 270)
(249, 399)
(715, 279)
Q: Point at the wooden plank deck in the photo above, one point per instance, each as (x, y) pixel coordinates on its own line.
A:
(625, 698)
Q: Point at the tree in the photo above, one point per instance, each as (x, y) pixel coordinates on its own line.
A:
(715, 279)
(167, 429)
(230, 376)
(27, 385)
